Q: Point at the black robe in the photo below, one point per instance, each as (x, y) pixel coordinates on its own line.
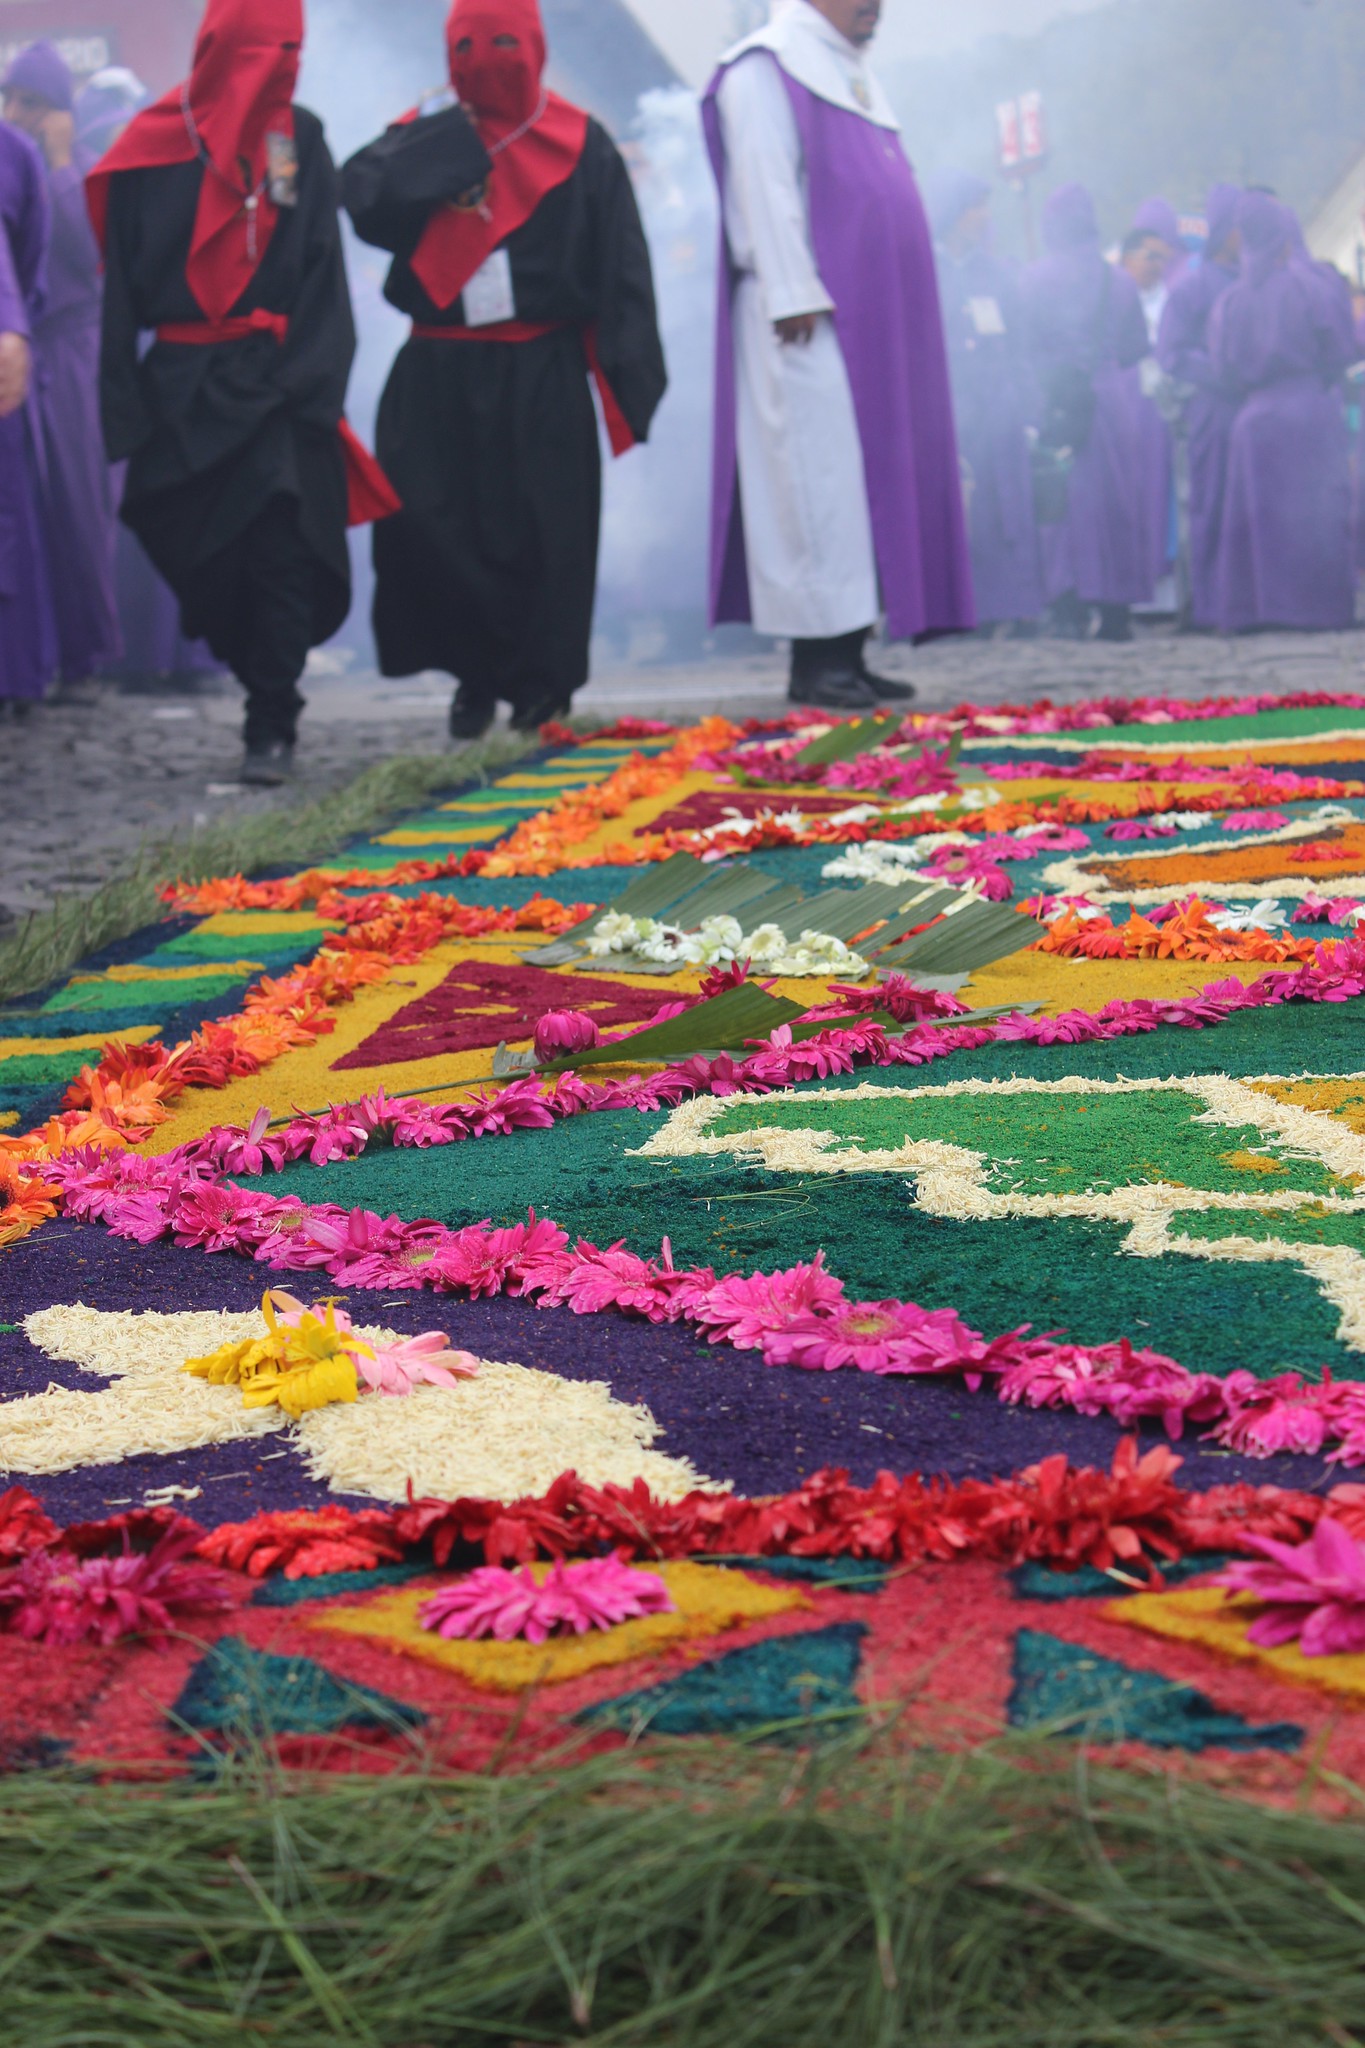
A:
(213, 433)
(490, 570)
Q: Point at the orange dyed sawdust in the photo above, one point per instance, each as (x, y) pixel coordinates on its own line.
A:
(1338, 850)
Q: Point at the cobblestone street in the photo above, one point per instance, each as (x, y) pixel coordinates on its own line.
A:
(85, 785)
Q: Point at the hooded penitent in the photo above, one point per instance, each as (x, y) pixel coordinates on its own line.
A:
(42, 71)
(1280, 339)
(1209, 408)
(238, 97)
(992, 402)
(1085, 319)
(496, 52)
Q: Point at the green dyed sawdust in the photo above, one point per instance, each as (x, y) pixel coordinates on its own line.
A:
(1051, 1144)
(1308, 1225)
(136, 995)
(705, 1895)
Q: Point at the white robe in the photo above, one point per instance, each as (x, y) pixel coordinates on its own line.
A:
(802, 485)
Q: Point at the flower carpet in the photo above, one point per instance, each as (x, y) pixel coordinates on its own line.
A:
(725, 1230)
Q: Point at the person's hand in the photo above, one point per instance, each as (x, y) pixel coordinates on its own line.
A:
(15, 366)
(57, 133)
(798, 329)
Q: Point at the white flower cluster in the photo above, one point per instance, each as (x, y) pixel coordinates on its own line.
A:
(887, 861)
(721, 940)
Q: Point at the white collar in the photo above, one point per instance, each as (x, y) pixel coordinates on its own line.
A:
(811, 50)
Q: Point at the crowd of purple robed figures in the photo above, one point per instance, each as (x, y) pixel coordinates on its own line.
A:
(1187, 410)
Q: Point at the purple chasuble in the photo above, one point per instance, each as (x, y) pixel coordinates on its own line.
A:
(873, 252)
(28, 640)
(1084, 315)
(1278, 340)
(78, 498)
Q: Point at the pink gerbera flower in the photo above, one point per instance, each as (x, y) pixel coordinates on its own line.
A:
(55, 1597)
(1314, 1591)
(744, 1312)
(427, 1361)
(571, 1599)
(874, 1336)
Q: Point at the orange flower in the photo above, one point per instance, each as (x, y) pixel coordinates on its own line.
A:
(25, 1201)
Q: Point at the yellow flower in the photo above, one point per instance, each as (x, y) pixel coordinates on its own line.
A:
(306, 1359)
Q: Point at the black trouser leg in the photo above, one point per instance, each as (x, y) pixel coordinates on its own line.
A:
(277, 595)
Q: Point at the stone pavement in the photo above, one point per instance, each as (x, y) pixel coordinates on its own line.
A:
(83, 786)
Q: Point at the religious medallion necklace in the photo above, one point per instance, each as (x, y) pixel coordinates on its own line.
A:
(495, 149)
(251, 199)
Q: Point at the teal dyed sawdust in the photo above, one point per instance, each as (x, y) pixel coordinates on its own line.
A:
(1040, 1144)
(787, 1680)
(282, 1592)
(1308, 1225)
(1056, 1273)
(850, 1574)
(235, 1690)
(1041, 1582)
(1070, 1689)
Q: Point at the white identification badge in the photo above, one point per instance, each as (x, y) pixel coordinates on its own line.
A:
(488, 296)
(987, 318)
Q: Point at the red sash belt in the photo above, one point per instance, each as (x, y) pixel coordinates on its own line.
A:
(208, 333)
(369, 494)
(619, 431)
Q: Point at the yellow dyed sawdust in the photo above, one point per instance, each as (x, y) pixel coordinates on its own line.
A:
(135, 972)
(304, 1079)
(508, 1433)
(1251, 1162)
(1343, 1099)
(454, 834)
(1207, 1616)
(1089, 984)
(136, 1034)
(259, 924)
(709, 1600)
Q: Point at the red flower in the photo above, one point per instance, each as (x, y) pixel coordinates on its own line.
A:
(24, 1527)
(305, 1543)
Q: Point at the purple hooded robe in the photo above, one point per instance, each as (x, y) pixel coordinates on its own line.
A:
(872, 247)
(1082, 314)
(993, 398)
(1279, 341)
(147, 609)
(28, 638)
(1156, 463)
(78, 502)
(1209, 408)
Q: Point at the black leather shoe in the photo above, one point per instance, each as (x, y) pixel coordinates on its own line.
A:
(887, 691)
(470, 714)
(833, 690)
(268, 764)
(1116, 623)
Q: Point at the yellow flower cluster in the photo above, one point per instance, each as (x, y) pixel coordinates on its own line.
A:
(306, 1360)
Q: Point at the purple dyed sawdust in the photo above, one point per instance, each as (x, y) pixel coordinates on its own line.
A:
(763, 1428)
